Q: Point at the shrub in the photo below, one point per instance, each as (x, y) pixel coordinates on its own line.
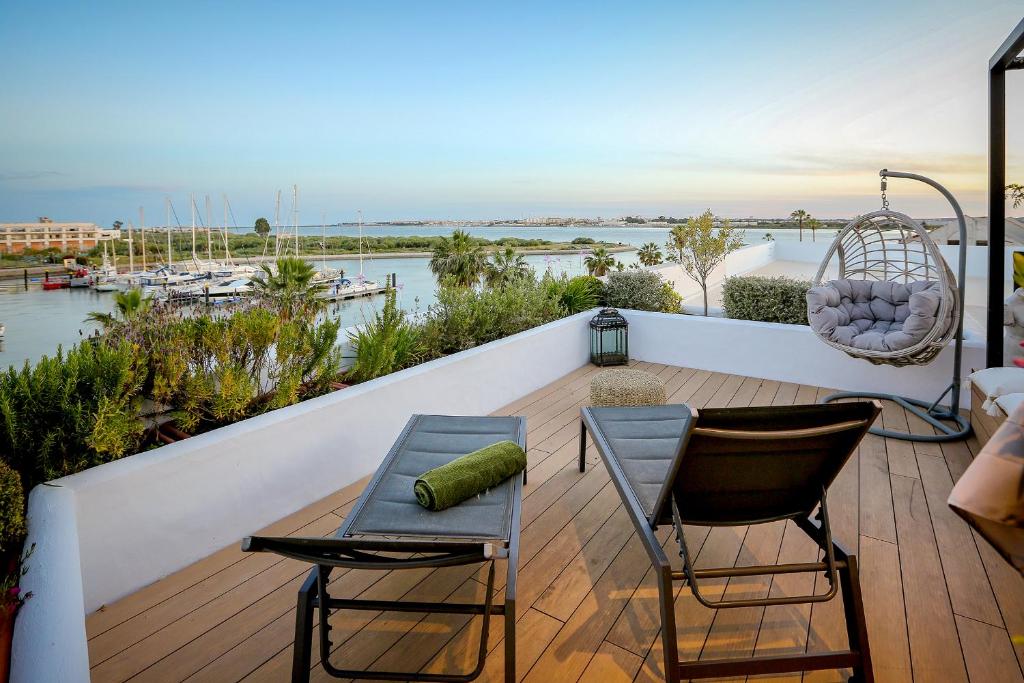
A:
(69, 412)
(465, 317)
(768, 299)
(577, 294)
(216, 370)
(12, 509)
(385, 344)
(641, 290)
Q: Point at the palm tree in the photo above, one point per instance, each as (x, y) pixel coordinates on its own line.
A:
(676, 243)
(813, 224)
(800, 216)
(505, 267)
(458, 259)
(289, 285)
(599, 262)
(128, 305)
(650, 254)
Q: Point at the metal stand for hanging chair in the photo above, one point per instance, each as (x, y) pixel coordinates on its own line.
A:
(933, 414)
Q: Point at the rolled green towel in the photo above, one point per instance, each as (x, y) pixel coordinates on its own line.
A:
(463, 478)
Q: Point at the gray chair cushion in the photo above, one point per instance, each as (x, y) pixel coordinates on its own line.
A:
(875, 316)
(644, 442)
(388, 506)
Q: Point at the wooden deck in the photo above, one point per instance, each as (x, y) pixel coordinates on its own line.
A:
(939, 602)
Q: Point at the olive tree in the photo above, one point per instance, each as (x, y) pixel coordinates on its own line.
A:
(705, 248)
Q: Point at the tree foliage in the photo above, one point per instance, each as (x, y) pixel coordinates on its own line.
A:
(458, 260)
(262, 227)
(385, 344)
(1015, 193)
(504, 267)
(706, 248)
(600, 262)
(649, 254)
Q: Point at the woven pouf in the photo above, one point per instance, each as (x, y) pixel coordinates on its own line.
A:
(626, 387)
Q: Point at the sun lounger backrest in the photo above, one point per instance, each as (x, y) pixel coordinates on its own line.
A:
(747, 465)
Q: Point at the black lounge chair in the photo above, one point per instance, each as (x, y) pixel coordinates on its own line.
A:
(387, 529)
(737, 466)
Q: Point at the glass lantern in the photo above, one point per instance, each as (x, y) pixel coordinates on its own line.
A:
(609, 338)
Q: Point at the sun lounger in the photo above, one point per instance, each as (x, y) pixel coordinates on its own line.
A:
(388, 530)
(730, 467)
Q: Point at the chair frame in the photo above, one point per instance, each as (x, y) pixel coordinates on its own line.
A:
(839, 566)
(315, 602)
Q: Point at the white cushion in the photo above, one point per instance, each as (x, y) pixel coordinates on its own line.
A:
(996, 382)
(1010, 402)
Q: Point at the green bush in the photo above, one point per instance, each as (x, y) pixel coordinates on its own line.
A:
(215, 368)
(465, 317)
(768, 299)
(69, 412)
(12, 510)
(641, 290)
(385, 344)
(577, 294)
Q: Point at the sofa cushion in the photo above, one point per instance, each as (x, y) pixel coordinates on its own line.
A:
(872, 315)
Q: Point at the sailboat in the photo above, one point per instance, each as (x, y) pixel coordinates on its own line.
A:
(344, 288)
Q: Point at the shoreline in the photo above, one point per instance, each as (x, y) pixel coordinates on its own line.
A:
(18, 272)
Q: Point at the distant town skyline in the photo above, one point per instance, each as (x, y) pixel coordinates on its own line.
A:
(460, 111)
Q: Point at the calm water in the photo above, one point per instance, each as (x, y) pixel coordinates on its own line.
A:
(38, 322)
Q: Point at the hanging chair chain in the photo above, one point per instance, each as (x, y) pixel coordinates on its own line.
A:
(885, 199)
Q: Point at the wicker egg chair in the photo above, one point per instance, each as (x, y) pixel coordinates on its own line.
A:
(888, 246)
(895, 302)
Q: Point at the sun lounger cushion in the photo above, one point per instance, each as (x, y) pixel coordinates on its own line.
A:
(874, 316)
(388, 506)
(644, 441)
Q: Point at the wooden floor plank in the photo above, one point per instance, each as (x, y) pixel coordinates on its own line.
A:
(988, 652)
(934, 644)
(940, 604)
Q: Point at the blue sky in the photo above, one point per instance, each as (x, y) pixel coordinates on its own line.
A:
(462, 110)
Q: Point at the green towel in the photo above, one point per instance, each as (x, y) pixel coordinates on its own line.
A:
(465, 477)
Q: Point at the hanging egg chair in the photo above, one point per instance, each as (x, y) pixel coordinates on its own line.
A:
(896, 302)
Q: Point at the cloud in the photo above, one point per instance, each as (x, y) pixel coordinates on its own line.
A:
(827, 164)
(29, 175)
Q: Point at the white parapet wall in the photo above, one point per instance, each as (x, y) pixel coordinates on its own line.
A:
(110, 530)
(788, 353)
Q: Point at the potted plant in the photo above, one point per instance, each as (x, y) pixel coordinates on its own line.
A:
(12, 533)
(11, 600)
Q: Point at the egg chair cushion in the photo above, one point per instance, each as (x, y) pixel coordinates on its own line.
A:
(874, 315)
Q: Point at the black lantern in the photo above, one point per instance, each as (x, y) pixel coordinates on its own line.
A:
(609, 338)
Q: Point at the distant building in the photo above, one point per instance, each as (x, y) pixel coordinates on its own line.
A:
(15, 238)
(948, 231)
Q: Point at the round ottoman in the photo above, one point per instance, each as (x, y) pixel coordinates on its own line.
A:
(626, 387)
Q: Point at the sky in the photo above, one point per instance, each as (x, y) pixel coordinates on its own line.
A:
(461, 110)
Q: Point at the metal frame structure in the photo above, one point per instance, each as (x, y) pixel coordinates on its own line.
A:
(385, 554)
(839, 566)
(1008, 57)
(933, 414)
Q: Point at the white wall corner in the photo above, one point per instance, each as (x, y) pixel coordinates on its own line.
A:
(49, 633)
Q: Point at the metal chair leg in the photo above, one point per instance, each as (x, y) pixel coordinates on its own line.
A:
(856, 625)
(669, 644)
(583, 446)
(302, 660)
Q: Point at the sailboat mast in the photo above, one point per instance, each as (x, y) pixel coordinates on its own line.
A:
(277, 225)
(323, 240)
(142, 226)
(360, 243)
(227, 251)
(192, 204)
(131, 250)
(170, 256)
(295, 215)
(209, 234)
